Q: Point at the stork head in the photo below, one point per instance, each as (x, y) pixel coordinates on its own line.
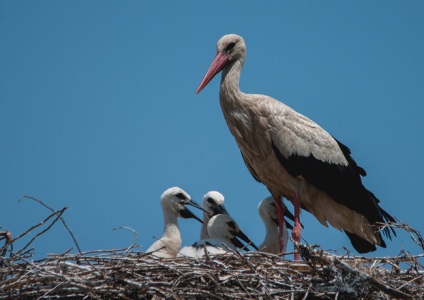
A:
(229, 48)
(267, 211)
(175, 200)
(213, 203)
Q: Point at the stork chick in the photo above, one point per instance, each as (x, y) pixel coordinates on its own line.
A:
(173, 202)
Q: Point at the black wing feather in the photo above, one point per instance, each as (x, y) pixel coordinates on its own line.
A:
(342, 183)
(236, 232)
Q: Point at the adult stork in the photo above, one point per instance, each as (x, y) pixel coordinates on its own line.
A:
(295, 158)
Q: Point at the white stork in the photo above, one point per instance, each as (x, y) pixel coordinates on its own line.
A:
(224, 234)
(173, 202)
(213, 204)
(268, 214)
(295, 158)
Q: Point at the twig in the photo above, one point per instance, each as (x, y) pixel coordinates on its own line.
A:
(368, 279)
(135, 237)
(58, 215)
(418, 238)
(7, 236)
(33, 227)
(61, 219)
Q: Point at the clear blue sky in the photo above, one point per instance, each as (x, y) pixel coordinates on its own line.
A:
(98, 110)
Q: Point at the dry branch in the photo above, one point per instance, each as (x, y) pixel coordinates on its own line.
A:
(252, 275)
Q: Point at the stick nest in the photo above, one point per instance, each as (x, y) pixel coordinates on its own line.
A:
(132, 274)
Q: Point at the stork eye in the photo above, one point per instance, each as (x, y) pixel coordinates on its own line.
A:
(210, 200)
(230, 46)
(180, 196)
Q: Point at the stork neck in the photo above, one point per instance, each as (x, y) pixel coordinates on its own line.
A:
(230, 79)
(271, 238)
(204, 231)
(271, 233)
(171, 229)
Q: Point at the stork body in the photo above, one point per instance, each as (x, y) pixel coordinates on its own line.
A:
(224, 234)
(294, 157)
(213, 204)
(173, 202)
(267, 212)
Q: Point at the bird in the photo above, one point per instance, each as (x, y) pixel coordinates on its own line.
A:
(224, 234)
(213, 204)
(295, 158)
(173, 202)
(268, 214)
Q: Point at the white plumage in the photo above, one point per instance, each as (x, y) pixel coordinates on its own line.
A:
(224, 234)
(213, 204)
(173, 202)
(216, 230)
(268, 215)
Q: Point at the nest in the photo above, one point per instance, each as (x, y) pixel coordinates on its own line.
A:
(131, 274)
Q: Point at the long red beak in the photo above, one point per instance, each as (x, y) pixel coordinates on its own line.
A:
(217, 65)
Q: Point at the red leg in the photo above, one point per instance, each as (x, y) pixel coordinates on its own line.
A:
(297, 228)
(283, 234)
